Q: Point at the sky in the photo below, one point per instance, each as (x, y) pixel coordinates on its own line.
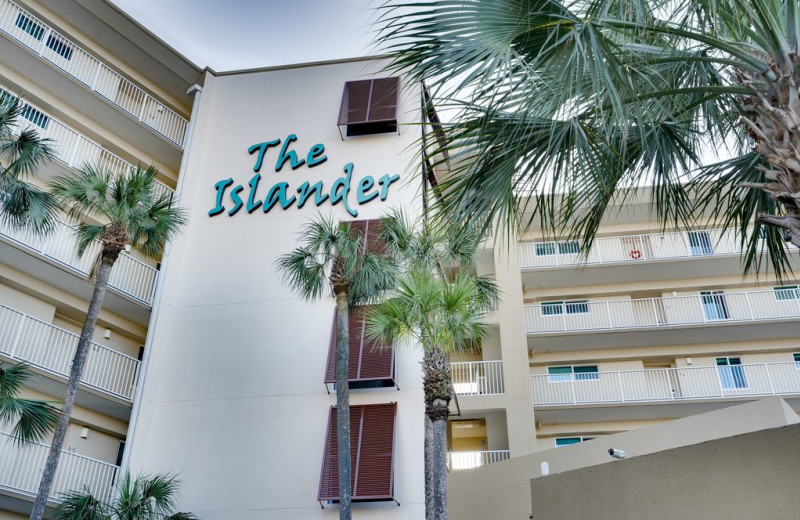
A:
(243, 34)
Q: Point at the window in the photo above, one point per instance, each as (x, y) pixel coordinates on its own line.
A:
(566, 441)
(371, 450)
(60, 46)
(29, 26)
(700, 243)
(577, 307)
(559, 308)
(552, 308)
(787, 292)
(714, 306)
(796, 357)
(35, 116)
(370, 232)
(545, 248)
(369, 106)
(731, 373)
(570, 373)
(571, 247)
(371, 364)
(120, 452)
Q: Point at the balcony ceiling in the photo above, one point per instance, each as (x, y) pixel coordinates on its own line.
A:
(669, 410)
(67, 280)
(719, 332)
(571, 276)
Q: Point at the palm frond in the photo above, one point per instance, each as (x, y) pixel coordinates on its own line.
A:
(563, 111)
(33, 420)
(74, 505)
(132, 200)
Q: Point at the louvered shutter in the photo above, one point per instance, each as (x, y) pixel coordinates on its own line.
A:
(370, 231)
(369, 106)
(371, 453)
(368, 360)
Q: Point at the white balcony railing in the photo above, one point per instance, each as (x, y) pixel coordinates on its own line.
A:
(21, 469)
(477, 377)
(70, 146)
(129, 276)
(666, 384)
(459, 460)
(96, 75)
(630, 249)
(52, 348)
(672, 311)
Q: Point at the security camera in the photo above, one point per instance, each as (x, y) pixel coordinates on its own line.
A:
(617, 454)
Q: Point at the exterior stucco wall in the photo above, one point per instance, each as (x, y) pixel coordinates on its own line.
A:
(503, 490)
(234, 398)
(746, 476)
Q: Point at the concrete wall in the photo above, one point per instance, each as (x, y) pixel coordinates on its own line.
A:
(746, 476)
(502, 490)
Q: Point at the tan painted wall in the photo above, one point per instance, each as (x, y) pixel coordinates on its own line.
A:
(502, 490)
(746, 476)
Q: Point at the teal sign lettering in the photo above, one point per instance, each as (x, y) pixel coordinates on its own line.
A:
(344, 190)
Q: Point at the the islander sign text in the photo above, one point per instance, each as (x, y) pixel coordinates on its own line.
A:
(282, 194)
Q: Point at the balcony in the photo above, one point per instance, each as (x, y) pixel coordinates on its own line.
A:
(671, 393)
(50, 348)
(78, 64)
(630, 258)
(461, 460)
(21, 469)
(71, 148)
(477, 377)
(130, 277)
(711, 315)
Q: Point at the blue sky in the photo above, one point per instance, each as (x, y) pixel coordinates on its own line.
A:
(240, 34)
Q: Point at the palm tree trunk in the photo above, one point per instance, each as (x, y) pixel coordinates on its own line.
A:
(428, 468)
(51, 464)
(343, 403)
(436, 384)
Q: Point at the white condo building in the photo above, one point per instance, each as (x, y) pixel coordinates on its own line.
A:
(205, 364)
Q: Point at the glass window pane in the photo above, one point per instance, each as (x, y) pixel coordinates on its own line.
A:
(545, 248)
(700, 243)
(552, 308)
(566, 441)
(786, 292)
(559, 374)
(577, 307)
(569, 248)
(587, 372)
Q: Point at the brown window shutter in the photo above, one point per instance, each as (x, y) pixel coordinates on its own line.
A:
(368, 360)
(383, 99)
(370, 231)
(355, 102)
(370, 106)
(374, 477)
(371, 451)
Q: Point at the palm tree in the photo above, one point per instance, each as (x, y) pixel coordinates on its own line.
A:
(137, 498)
(24, 205)
(696, 99)
(335, 258)
(132, 212)
(440, 303)
(33, 419)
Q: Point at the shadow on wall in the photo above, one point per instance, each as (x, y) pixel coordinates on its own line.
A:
(746, 476)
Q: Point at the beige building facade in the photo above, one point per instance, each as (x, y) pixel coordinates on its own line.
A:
(207, 365)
